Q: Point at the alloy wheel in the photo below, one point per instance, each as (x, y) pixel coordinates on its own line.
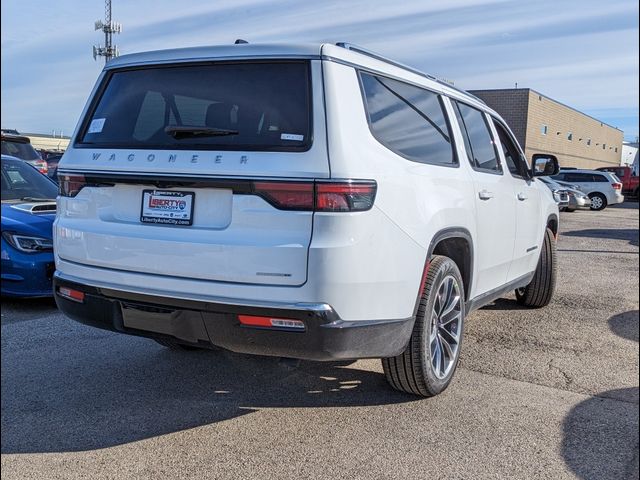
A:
(596, 202)
(446, 325)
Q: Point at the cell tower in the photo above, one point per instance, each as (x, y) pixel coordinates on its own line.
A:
(109, 27)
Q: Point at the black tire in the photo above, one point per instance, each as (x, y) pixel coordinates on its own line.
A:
(570, 210)
(600, 201)
(174, 345)
(412, 371)
(540, 291)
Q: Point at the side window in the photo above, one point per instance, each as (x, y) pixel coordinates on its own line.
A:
(599, 178)
(408, 120)
(579, 177)
(512, 155)
(477, 138)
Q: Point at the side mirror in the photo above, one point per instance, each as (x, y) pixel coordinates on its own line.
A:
(544, 165)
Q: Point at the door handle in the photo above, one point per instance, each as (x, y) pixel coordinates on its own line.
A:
(522, 197)
(485, 195)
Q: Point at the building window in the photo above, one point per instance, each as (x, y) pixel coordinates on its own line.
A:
(604, 146)
(588, 141)
(570, 136)
(544, 129)
(616, 149)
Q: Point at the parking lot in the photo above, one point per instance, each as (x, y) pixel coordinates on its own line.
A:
(550, 393)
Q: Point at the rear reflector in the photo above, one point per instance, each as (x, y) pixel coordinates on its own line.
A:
(71, 294)
(268, 322)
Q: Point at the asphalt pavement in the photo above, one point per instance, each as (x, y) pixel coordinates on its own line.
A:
(549, 393)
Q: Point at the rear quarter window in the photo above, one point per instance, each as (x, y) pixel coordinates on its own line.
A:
(259, 105)
(408, 120)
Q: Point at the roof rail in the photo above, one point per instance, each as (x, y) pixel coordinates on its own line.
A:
(382, 58)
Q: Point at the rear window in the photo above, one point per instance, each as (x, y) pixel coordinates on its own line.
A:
(22, 150)
(223, 106)
(20, 181)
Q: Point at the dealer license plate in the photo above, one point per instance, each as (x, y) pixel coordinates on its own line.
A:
(167, 207)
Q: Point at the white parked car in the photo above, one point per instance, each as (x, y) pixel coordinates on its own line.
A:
(603, 188)
(317, 202)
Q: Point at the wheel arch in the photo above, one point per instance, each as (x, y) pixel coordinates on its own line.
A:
(457, 244)
(553, 224)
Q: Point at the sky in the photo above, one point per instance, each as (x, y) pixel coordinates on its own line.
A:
(581, 53)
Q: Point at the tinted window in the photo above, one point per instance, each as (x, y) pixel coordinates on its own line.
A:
(408, 120)
(259, 106)
(21, 150)
(515, 162)
(477, 139)
(599, 178)
(581, 177)
(20, 181)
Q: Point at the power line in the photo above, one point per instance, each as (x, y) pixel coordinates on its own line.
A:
(109, 27)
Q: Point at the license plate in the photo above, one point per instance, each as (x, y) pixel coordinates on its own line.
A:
(167, 207)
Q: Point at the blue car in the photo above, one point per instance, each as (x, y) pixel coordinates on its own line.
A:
(28, 211)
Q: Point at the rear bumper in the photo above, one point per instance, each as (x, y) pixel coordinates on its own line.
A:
(614, 198)
(326, 337)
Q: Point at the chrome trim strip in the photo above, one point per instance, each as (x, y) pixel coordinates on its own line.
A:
(312, 307)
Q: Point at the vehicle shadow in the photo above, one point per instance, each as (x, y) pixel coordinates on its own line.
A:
(629, 203)
(629, 234)
(19, 309)
(600, 436)
(131, 389)
(505, 304)
(625, 324)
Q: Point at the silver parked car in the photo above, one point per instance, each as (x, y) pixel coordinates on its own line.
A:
(603, 188)
(577, 198)
(560, 194)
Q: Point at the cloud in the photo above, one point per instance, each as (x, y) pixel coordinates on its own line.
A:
(583, 53)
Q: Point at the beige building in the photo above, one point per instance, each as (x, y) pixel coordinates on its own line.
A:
(48, 142)
(543, 125)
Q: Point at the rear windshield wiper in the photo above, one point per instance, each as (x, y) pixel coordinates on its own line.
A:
(179, 132)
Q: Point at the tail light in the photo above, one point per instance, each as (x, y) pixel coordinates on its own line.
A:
(617, 186)
(313, 195)
(345, 196)
(70, 185)
(42, 166)
(321, 196)
(286, 195)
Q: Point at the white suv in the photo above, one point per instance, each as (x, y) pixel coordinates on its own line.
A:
(603, 188)
(317, 202)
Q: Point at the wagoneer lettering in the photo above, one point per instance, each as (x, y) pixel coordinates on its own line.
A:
(379, 208)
